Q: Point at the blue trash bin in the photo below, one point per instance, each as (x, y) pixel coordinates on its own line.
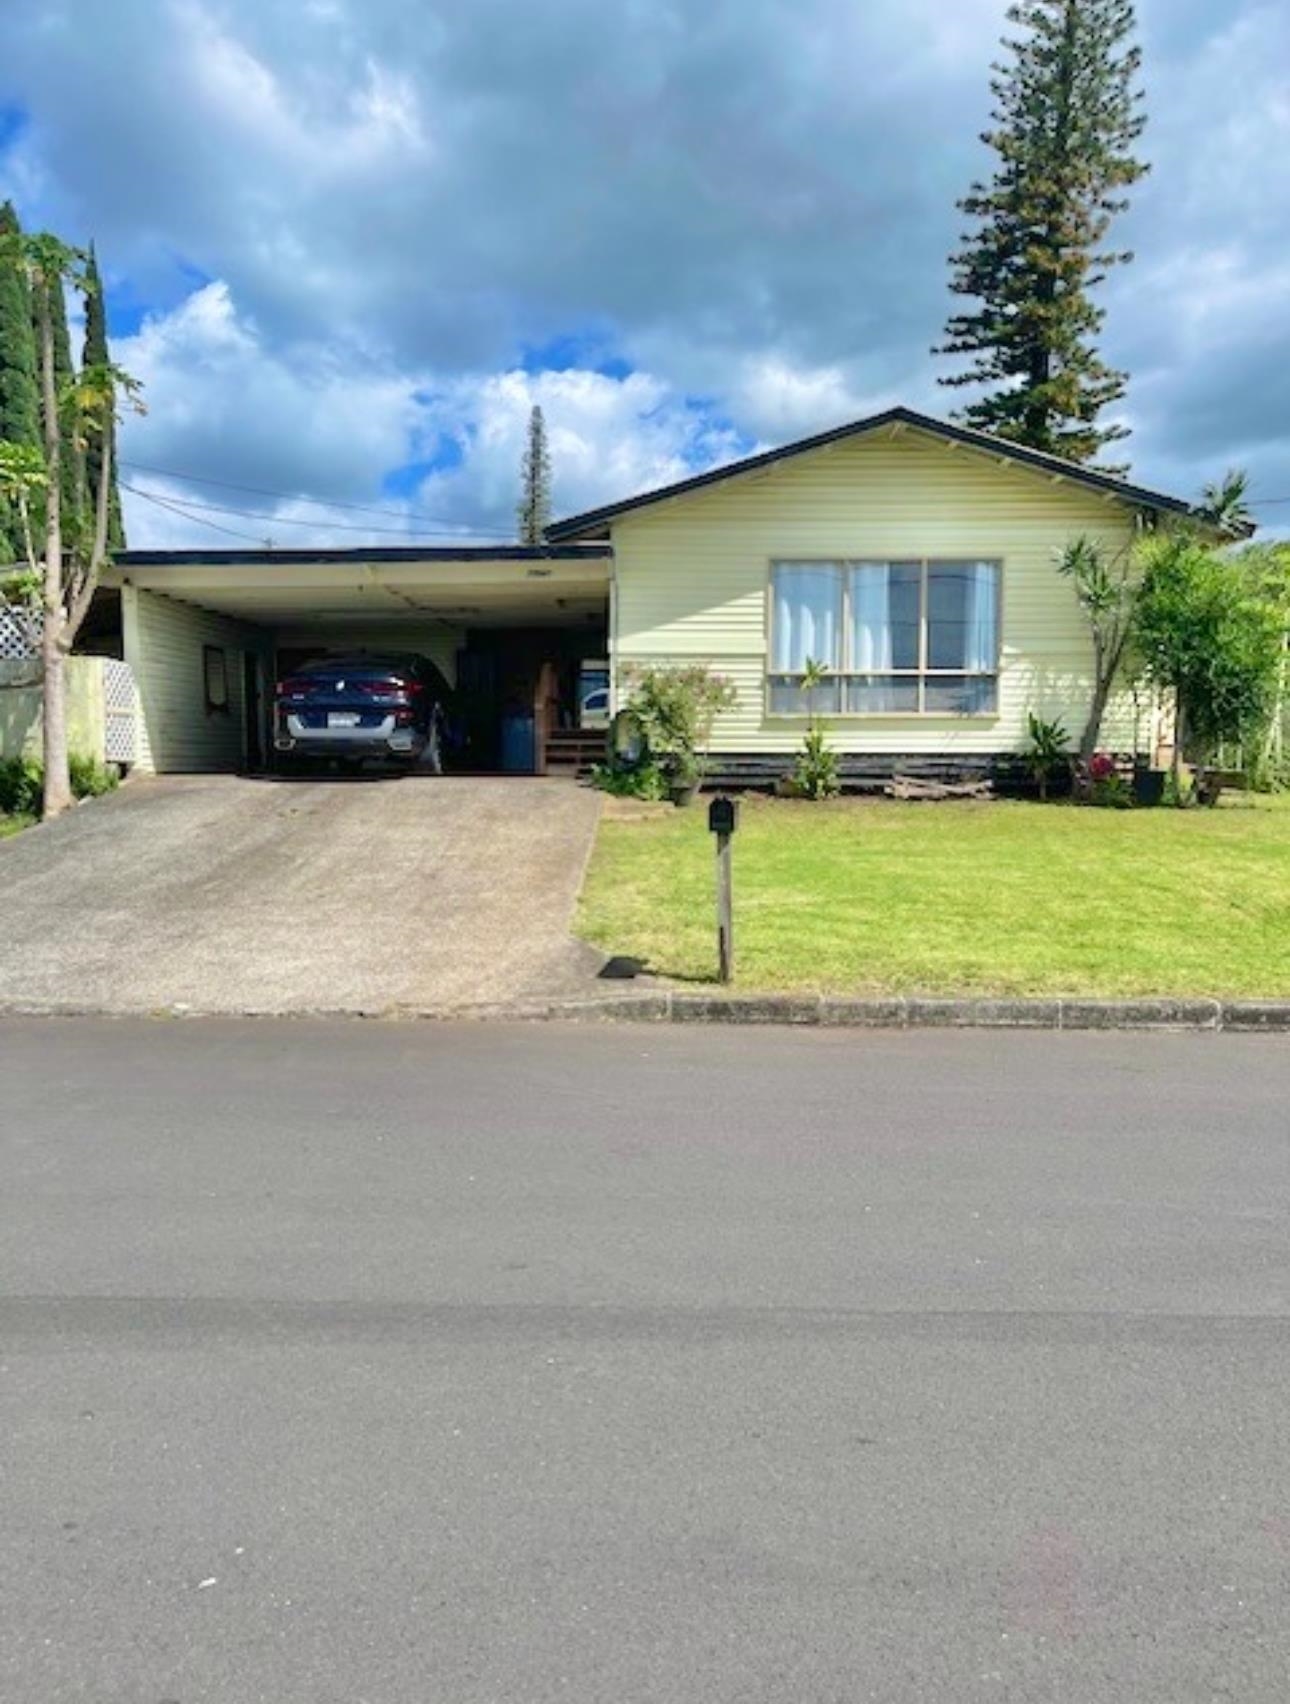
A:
(519, 751)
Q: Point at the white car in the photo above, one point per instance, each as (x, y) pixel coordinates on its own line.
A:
(593, 712)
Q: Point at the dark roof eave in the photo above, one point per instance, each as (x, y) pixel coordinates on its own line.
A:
(566, 552)
(578, 526)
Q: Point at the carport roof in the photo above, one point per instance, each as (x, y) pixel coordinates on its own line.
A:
(306, 556)
(469, 585)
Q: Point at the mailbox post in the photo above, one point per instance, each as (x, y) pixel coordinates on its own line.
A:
(723, 820)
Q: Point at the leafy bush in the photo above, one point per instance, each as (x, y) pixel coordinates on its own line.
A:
(815, 773)
(644, 780)
(1046, 750)
(1102, 784)
(20, 786)
(1200, 632)
(22, 782)
(670, 713)
(90, 779)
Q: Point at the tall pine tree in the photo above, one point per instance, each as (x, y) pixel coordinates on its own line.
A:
(19, 392)
(534, 507)
(1067, 116)
(95, 354)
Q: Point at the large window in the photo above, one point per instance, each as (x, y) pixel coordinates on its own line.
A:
(897, 638)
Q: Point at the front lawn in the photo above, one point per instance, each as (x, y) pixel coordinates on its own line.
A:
(874, 896)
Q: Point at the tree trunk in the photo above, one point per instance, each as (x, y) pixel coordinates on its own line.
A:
(58, 786)
(1097, 710)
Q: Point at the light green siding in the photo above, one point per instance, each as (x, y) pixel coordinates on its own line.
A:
(163, 644)
(21, 715)
(692, 575)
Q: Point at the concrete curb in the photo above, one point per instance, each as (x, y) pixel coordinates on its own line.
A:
(900, 1013)
(665, 1006)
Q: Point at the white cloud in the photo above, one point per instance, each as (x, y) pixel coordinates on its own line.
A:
(320, 423)
(751, 201)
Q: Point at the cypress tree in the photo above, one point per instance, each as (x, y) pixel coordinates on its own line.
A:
(534, 507)
(95, 354)
(1067, 116)
(72, 468)
(19, 392)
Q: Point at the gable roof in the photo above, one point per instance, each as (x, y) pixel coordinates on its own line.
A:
(578, 526)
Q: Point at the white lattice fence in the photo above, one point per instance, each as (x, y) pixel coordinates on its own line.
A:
(121, 713)
(15, 636)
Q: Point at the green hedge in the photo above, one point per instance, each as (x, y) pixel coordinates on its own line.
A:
(22, 783)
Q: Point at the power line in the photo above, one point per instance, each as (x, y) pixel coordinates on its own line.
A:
(186, 515)
(290, 520)
(291, 497)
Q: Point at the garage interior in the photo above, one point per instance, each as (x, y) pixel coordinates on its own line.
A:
(522, 635)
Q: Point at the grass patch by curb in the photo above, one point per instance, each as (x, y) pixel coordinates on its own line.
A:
(868, 897)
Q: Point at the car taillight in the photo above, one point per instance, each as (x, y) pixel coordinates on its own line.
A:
(290, 688)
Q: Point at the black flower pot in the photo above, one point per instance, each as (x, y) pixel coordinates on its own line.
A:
(1149, 786)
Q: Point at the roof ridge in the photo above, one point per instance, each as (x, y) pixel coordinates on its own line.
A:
(900, 414)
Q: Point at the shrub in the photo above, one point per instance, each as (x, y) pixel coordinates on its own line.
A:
(669, 714)
(20, 786)
(1104, 785)
(815, 774)
(644, 780)
(1045, 752)
(1201, 633)
(90, 778)
(22, 782)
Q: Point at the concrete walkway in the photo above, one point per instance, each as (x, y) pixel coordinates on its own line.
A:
(230, 894)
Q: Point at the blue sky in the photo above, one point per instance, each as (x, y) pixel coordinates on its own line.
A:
(348, 243)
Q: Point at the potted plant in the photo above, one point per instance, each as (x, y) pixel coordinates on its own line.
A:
(684, 777)
(673, 711)
(1148, 783)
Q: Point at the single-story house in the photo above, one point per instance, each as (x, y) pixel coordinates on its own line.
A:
(914, 558)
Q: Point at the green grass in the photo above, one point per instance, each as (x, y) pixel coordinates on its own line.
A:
(875, 896)
(12, 824)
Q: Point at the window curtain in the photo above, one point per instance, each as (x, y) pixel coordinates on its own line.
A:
(871, 642)
(806, 617)
(981, 638)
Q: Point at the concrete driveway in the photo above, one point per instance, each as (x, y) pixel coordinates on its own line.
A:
(231, 894)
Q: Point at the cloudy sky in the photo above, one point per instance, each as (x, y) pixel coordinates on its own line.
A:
(348, 243)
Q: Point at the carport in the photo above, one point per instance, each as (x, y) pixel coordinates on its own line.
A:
(521, 633)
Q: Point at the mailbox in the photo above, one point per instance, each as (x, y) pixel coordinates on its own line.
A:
(723, 816)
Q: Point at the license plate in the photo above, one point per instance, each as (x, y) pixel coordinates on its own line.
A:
(342, 719)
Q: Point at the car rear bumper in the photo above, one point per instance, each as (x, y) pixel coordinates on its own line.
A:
(386, 739)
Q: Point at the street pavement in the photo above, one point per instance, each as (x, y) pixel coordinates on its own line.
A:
(370, 1363)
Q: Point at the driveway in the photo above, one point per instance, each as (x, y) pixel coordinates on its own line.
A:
(230, 894)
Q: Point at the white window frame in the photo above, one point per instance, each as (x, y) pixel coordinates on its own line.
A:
(922, 674)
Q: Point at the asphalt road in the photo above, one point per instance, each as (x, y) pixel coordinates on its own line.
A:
(378, 1364)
